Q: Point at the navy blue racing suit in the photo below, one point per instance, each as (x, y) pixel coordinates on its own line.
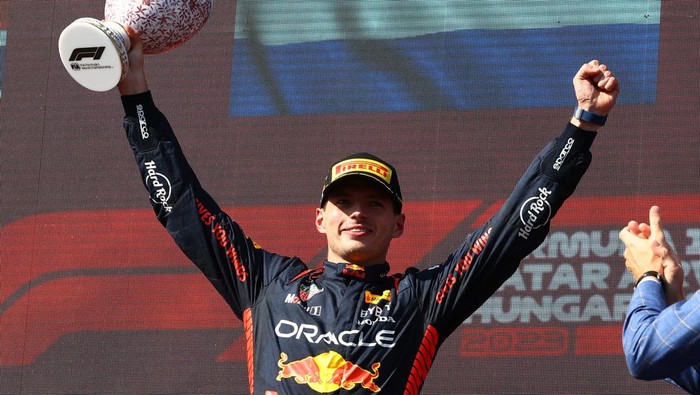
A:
(342, 328)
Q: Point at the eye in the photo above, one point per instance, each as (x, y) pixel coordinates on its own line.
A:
(341, 202)
(377, 203)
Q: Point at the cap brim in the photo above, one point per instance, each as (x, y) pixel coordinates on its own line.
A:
(347, 176)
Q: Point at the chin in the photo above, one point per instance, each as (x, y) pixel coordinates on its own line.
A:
(362, 258)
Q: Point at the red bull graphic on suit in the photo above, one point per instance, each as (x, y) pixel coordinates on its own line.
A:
(328, 372)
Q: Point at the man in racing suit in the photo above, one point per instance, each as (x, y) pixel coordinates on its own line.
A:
(348, 325)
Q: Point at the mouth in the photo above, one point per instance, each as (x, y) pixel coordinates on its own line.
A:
(356, 230)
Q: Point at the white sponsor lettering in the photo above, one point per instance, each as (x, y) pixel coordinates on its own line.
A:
(350, 338)
(370, 322)
(562, 155)
(294, 299)
(158, 185)
(142, 122)
(313, 310)
(534, 213)
(374, 314)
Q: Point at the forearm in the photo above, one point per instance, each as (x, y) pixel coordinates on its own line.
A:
(193, 219)
(491, 254)
(550, 179)
(558, 168)
(660, 341)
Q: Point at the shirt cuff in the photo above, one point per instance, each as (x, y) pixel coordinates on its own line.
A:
(131, 102)
(649, 278)
(584, 138)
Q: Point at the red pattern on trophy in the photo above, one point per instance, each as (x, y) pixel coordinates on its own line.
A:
(162, 24)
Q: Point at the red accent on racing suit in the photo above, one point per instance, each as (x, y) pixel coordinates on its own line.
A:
(346, 327)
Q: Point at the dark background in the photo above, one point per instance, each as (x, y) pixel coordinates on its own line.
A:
(94, 297)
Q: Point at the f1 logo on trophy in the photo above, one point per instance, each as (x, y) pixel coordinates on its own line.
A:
(94, 52)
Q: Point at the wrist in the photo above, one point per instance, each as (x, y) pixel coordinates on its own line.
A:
(591, 127)
(589, 118)
(132, 84)
(650, 275)
(131, 102)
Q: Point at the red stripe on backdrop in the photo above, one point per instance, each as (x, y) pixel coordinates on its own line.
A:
(70, 241)
(598, 340)
(58, 269)
(108, 303)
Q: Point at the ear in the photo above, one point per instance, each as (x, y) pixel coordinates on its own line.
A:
(399, 224)
(320, 224)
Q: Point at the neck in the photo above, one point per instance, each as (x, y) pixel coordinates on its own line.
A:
(362, 262)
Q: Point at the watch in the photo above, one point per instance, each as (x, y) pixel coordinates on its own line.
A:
(650, 273)
(580, 113)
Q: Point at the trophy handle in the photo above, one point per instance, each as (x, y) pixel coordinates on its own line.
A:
(95, 53)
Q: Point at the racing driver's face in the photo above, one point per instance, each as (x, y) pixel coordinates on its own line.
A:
(359, 222)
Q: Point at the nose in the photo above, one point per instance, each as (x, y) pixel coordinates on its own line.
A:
(357, 211)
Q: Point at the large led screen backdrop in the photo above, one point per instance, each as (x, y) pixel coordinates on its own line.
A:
(459, 96)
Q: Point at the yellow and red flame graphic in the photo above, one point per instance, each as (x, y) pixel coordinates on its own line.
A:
(328, 372)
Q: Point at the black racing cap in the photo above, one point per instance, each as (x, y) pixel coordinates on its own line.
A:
(364, 165)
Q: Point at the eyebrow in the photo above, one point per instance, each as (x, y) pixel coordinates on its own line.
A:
(374, 194)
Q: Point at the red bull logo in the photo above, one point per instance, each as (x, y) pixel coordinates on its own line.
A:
(375, 299)
(353, 270)
(328, 372)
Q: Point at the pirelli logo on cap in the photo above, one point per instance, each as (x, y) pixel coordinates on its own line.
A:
(361, 166)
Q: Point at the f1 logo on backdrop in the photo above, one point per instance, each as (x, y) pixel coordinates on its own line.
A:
(61, 271)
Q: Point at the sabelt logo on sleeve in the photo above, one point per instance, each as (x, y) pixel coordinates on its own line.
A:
(362, 166)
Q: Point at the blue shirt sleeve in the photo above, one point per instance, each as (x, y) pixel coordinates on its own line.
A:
(660, 341)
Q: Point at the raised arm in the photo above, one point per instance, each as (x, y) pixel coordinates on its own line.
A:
(492, 253)
(231, 261)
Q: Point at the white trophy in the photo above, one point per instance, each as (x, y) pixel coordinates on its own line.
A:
(94, 52)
